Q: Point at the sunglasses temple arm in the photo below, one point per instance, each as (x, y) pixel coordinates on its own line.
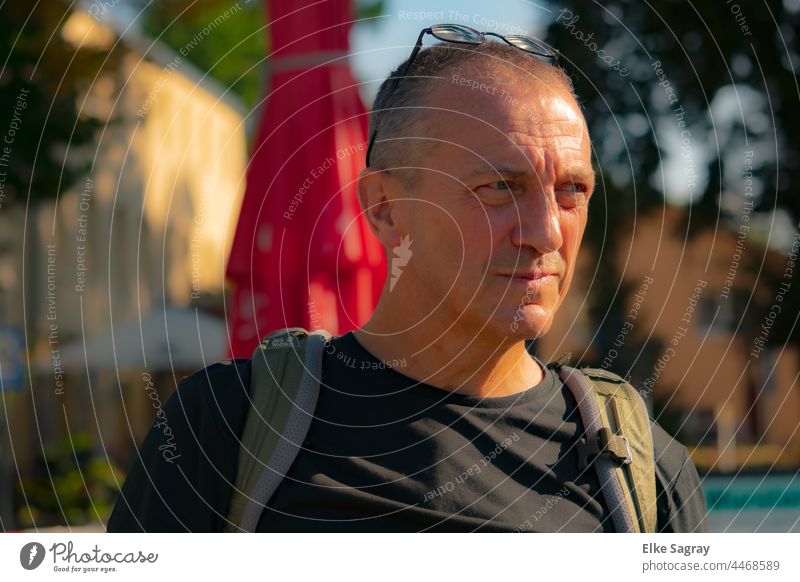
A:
(369, 147)
(414, 53)
(396, 80)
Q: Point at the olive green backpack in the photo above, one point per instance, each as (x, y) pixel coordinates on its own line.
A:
(285, 381)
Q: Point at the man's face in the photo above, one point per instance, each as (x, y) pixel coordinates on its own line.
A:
(499, 209)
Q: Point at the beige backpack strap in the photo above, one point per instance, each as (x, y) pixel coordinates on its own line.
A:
(285, 378)
(619, 443)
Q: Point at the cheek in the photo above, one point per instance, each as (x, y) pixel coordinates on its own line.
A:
(572, 229)
(462, 243)
(440, 241)
(484, 231)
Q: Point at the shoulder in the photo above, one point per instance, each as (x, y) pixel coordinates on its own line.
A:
(673, 464)
(670, 455)
(680, 500)
(182, 474)
(218, 393)
(681, 503)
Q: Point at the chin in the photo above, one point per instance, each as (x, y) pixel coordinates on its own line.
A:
(532, 322)
(529, 332)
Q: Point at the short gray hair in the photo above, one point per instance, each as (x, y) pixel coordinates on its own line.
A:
(397, 111)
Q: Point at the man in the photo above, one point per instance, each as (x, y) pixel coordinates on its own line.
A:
(433, 416)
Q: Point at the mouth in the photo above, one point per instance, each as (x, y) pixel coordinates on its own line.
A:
(533, 282)
(534, 276)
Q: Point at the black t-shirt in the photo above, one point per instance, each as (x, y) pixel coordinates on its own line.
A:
(386, 453)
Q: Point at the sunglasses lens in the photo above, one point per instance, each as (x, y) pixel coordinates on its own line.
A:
(456, 33)
(530, 45)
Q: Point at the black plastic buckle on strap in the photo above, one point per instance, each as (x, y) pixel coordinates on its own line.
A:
(562, 360)
(285, 339)
(614, 447)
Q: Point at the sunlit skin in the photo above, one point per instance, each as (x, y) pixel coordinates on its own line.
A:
(504, 192)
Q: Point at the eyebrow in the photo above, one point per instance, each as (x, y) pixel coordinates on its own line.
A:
(580, 175)
(511, 173)
(506, 172)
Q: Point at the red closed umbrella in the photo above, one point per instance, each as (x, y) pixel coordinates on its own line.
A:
(303, 255)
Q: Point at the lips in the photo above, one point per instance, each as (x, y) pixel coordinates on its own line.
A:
(533, 276)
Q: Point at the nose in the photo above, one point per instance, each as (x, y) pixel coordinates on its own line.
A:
(538, 223)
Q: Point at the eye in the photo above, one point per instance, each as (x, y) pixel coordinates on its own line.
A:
(573, 194)
(500, 186)
(496, 192)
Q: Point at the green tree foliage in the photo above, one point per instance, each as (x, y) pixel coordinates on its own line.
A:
(231, 46)
(370, 10)
(236, 51)
(71, 485)
(675, 93)
(43, 79)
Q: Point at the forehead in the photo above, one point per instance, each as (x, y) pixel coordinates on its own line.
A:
(484, 116)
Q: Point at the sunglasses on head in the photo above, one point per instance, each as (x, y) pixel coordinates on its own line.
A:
(458, 33)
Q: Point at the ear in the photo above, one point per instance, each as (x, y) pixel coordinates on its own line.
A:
(378, 192)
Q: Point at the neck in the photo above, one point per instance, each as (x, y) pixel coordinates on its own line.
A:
(460, 359)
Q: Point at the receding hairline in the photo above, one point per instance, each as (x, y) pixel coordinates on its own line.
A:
(399, 114)
(513, 80)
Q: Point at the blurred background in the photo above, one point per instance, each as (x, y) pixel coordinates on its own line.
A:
(154, 154)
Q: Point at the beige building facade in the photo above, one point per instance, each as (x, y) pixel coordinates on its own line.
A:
(138, 247)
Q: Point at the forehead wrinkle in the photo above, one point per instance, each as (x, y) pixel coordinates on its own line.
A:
(551, 162)
(553, 128)
(561, 150)
(558, 142)
(489, 126)
(561, 120)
